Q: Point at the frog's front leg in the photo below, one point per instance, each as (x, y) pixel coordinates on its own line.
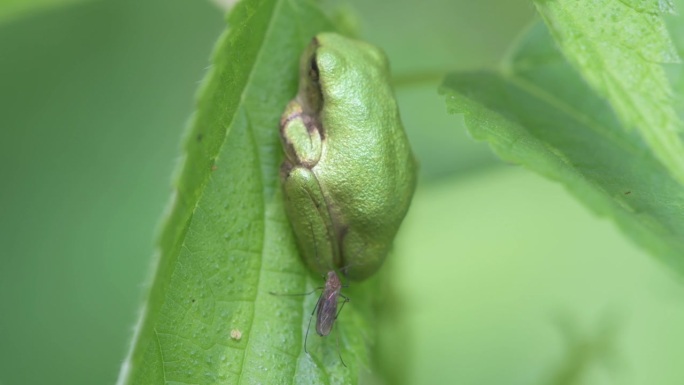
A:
(305, 203)
(301, 136)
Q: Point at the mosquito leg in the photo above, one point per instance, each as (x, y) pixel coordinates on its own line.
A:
(295, 294)
(306, 337)
(346, 299)
(337, 338)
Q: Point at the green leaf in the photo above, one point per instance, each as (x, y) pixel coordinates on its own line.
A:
(619, 46)
(540, 113)
(226, 243)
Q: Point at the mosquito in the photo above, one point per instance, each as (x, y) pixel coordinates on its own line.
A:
(326, 308)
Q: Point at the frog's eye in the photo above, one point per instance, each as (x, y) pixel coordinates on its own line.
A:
(313, 69)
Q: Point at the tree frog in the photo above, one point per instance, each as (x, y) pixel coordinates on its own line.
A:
(349, 173)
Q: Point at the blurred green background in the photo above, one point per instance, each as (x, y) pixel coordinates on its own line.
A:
(504, 278)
